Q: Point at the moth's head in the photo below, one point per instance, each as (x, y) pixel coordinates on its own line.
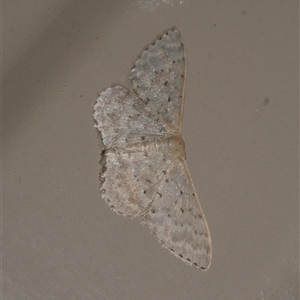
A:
(177, 146)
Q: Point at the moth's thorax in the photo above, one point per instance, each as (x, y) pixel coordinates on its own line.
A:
(171, 146)
(174, 145)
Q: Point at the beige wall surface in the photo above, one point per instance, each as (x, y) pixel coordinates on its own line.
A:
(59, 238)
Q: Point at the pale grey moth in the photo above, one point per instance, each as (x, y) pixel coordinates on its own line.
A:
(144, 168)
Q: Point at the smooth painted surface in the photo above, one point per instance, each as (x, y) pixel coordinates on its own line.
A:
(60, 240)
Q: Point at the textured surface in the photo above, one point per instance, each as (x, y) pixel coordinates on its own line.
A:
(158, 77)
(145, 172)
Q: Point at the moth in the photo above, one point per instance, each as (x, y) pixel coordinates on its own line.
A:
(144, 168)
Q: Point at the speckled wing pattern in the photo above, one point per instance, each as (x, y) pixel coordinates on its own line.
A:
(144, 169)
(176, 217)
(158, 77)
